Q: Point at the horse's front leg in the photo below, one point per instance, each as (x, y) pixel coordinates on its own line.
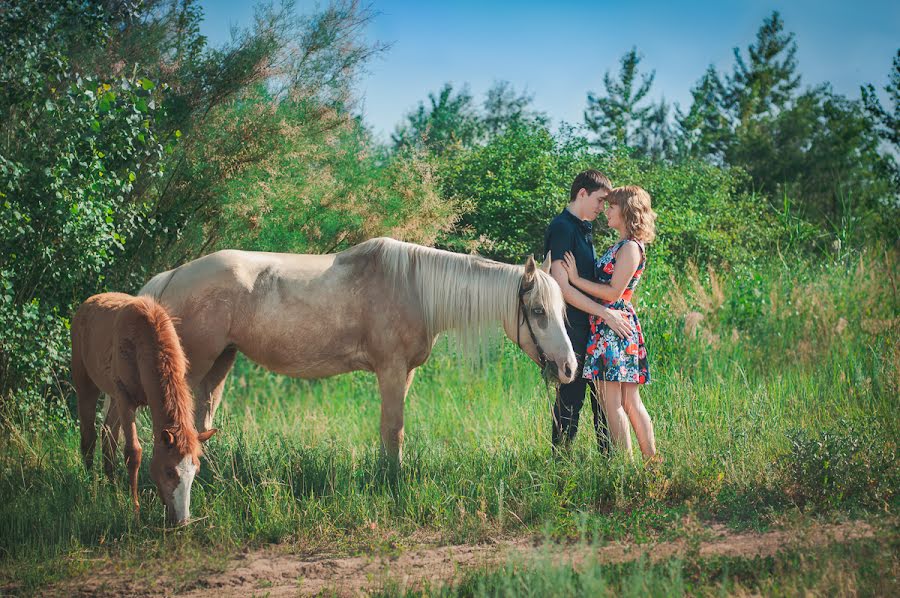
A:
(133, 450)
(109, 434)
(394, 383)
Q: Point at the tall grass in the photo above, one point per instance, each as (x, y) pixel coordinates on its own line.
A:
(764, 403)
(856, 569)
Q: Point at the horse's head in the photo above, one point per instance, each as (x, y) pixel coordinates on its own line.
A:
(539, 327)
(175, 462)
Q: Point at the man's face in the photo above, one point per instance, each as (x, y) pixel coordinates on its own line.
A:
(595, 202)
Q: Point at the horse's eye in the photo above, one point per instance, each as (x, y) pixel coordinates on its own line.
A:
(538, 311)
(171, 473)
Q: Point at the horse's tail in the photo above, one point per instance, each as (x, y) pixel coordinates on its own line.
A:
(161, 364)
(156, 286)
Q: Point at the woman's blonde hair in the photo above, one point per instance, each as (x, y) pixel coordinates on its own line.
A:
(639, 217)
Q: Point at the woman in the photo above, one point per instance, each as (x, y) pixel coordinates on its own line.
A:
(618, 366)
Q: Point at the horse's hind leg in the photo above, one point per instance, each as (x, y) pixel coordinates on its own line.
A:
(110, 436)
(87, 393)
(210, 393)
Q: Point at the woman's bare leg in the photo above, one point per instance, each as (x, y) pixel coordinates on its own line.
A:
(640, 420)
(616, 418)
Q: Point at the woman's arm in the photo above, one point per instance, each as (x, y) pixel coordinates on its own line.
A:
(627, 259)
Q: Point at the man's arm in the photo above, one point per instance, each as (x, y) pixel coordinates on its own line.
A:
(579, 300)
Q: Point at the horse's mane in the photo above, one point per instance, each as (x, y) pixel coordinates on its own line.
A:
(465, 293)
(171, 366)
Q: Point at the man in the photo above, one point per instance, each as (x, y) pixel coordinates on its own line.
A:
(571, 231)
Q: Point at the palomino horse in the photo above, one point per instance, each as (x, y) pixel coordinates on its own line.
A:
(378, 306)
(127, 347)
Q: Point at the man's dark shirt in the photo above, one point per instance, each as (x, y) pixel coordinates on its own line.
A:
(567, 232)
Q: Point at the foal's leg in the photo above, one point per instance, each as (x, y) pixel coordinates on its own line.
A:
(133, 449)
(394, 383)
(88, 393)
(615, 414)
(210, 391)
(109, 433)
(639, 418)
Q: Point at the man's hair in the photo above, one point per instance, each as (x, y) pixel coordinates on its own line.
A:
(637, 212)
(590, 181)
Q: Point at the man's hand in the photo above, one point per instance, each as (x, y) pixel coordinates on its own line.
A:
(617, 322)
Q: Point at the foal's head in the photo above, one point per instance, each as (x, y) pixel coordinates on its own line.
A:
(175, 462)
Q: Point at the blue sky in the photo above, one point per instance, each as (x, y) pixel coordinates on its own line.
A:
(558, 51)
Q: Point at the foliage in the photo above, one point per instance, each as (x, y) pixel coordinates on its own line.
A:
(765, 82)
(516, 183)
(320, 191)
(73, 149)
(887, 120)
(114, 146)
(512, 186)
(704, 131)
(454, 122)
(615, 118)
(847, 466)
(817, 147)
(450, 121)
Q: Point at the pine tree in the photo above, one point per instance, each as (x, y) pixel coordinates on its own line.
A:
(614, 117)
(450, 121)
(888, 122)
(503, 107)
(705, 131)
(655, 138)
(766, 82)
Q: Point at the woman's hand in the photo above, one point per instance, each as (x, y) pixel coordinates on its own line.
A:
(617, 322)
(570, 267)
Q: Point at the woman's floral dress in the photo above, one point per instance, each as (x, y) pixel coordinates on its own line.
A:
(609, 357)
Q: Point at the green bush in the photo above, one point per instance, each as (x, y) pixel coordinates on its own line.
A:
(72, 150)
(832, 469)
(516, 183)
(319, 191)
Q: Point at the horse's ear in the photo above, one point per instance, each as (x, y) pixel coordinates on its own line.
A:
(530, 269)
(204, 436)
(168, 438)
(546, 265)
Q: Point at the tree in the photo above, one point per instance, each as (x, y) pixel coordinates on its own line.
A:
(705, 131)
(503, 108)
(115, 143)
(513, 185)
(615, 117)
(888, 120)
(655, 138)
(766, 81)
(450, 121)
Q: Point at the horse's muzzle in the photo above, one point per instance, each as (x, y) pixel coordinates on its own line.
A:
(565, 374)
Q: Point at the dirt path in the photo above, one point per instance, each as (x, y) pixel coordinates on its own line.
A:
(268, 572)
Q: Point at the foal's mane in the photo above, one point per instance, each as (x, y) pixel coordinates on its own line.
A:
(171, 366)
(465, 293)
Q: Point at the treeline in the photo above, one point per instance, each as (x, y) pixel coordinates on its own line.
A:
(129, 145)
(810, 152)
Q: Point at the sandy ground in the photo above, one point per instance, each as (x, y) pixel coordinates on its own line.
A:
(273, 573)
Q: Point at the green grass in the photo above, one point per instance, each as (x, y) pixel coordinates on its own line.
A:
(861, 568)
(756, 428)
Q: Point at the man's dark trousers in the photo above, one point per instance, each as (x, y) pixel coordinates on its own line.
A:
(570, 398)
